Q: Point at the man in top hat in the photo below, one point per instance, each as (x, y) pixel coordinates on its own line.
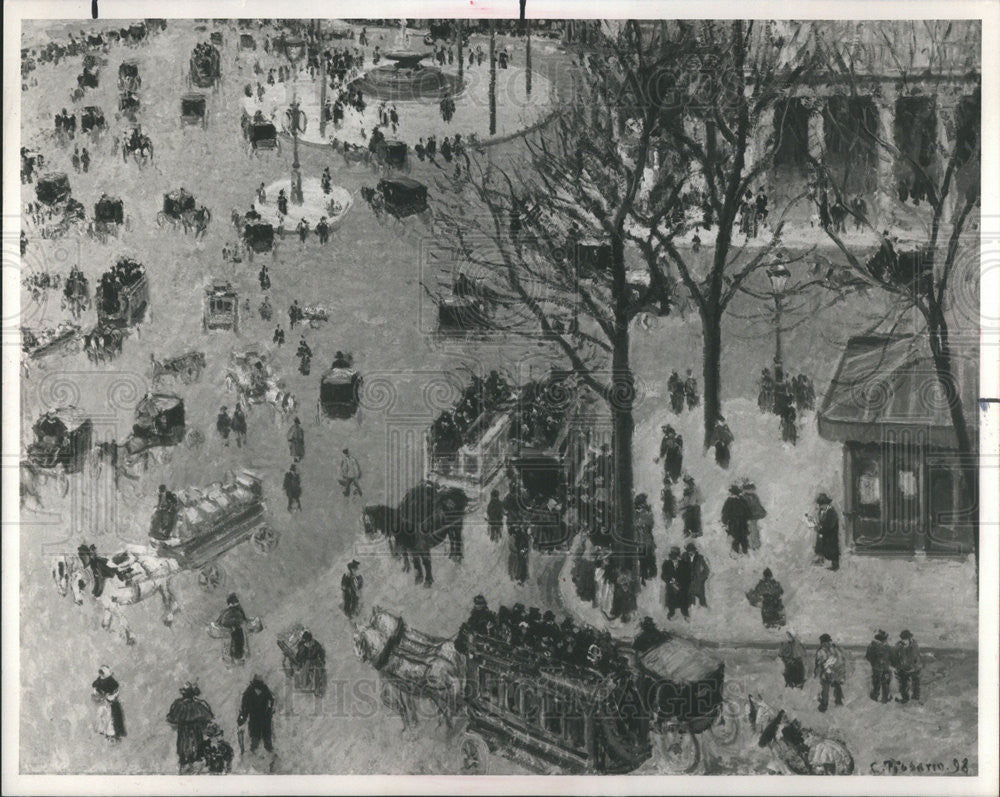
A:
(189, 715)
(699, 574)
(690, 506)
(906, 660)
(736, 517)
(671, 452)
(676, 576)
(827, 527)
(350, 586)
(293, 487)
(755, 512)
(649, 636)
(256, 710)
(223, 424)
(494, 516)
(879, 655)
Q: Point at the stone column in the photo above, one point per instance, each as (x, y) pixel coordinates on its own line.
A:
(885, 192)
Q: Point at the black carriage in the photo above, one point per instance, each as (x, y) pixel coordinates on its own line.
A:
(394, 155)
(549, 715)
(63, 438)
(247, 42)
(109, 214)
(87, 79)
(194, 110)
(258, 236)
(122, 294)
(205, 66)
(128, 76)
(263, 135)
(92, 119)
(403, 196)
(39, 343)
(159, 420)
(53, 188)
(175, 205)
(339, 390)
(137, 32)
(129, 103)
(222, 307)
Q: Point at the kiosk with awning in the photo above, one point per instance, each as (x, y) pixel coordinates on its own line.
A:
(907, 489)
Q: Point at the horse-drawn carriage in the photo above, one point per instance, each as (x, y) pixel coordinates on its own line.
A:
(123, 294)
(194, 110)
(87, 79)
(62, 441)
(339, 389)
(258, 237)
(53, 189)
(129, 104)
(128, 76)
(103, 343)
(222, 307)
(390, 154)
(39, 343)
(186, 367)
(206, 523)
(175, 205)
(109, 217)
(467, 308)
(159, 424)
(92, 120)
(547, 714)
(260, 133)
(403, 196)
(204, 71)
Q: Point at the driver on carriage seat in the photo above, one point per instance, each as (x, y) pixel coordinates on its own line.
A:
(341, 360)
(165, 514)
(98, 566)
(252, 214)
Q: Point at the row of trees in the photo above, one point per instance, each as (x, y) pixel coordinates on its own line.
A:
(665, 131)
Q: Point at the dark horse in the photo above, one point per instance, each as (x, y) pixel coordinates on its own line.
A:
(427, 516)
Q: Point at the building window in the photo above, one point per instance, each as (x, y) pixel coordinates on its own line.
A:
(915, 135)
(791, 128)
(869, 489)
(489, 686)
(907, 481)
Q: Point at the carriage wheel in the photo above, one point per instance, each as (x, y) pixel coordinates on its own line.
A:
(187, 376)
(211, 578)
(195, 439)
(264, 540)
(63, 484)
(474, 756)
(165, 457)
(161, 219)
(680, 749)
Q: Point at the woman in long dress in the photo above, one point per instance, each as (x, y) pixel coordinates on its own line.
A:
(110, 717)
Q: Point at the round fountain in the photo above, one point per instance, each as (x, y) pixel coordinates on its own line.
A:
(406, 79)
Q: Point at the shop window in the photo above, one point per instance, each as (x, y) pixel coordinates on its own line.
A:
(489, 686)
(514, 697)
(869, 484)
(907, 481)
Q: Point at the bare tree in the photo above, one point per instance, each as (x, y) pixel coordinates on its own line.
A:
(717, 143)
(938, 185)
(521, 224)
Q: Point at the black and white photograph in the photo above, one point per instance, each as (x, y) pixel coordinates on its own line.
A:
(502, 393)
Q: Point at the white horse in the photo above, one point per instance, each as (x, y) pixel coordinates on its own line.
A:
(140, 574)
(282, 403)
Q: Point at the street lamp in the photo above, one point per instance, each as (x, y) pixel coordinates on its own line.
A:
(779, 276)
(295, 119)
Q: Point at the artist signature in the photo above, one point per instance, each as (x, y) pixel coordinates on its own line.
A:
(894, 766)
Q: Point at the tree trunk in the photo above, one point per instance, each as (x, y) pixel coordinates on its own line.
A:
(461, 61)
(621, 402)
(493, 79)
(711, 323)
(941, 352)
(527, 57)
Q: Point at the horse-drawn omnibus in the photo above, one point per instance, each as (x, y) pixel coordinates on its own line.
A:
(194, 110)
(63, 438)
(222, 307)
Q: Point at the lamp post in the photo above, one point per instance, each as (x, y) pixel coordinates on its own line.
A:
(779, 276)
(322, 79)
(296, 120)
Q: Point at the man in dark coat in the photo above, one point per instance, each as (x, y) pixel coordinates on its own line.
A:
(293, 488)
(672, 453)
(827, 531)
(223, 425)
(699, 574)
(906, 659)
(189, 715)
(310, 661)
(111, 718)
(735, 518)
(256, 710)
(675, 386)
(233, 618)
(350, 586)
(676, 576)
(494, 516)
(793, 656)
(691, 390)
(879, 655)
(239, 426)
(98, 566)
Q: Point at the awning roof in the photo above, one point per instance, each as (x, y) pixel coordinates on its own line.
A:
(890, 383)
(70, 418)
(680, 660)
(155, 403)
